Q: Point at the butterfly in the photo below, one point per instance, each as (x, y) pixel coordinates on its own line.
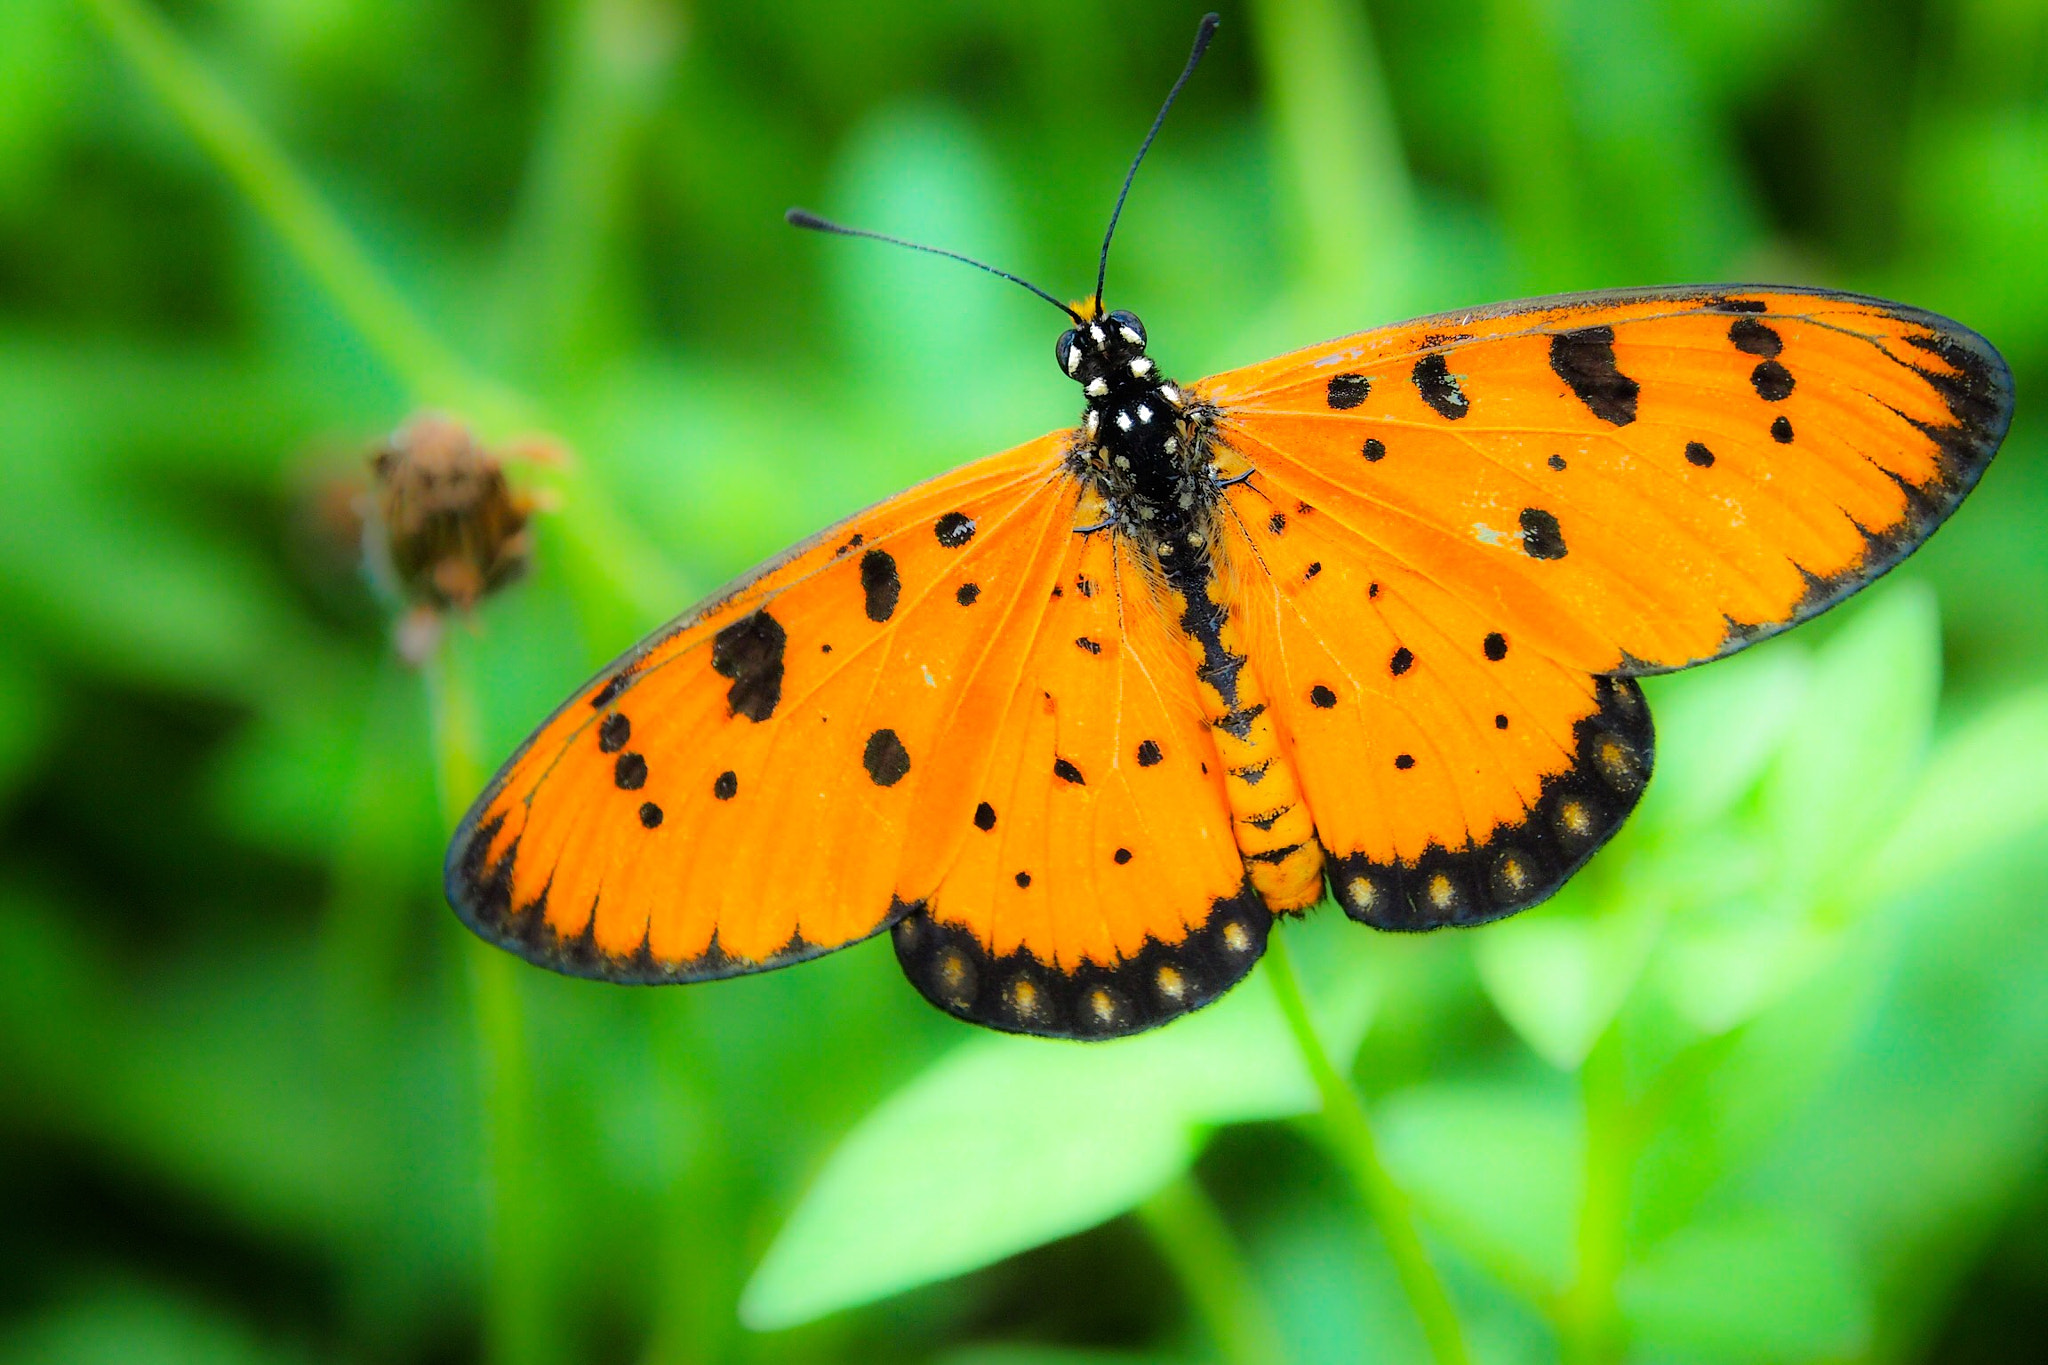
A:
(1078, 721)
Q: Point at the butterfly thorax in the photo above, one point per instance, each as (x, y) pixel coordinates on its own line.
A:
(1143, 446)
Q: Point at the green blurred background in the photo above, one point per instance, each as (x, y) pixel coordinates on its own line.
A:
(1769, 1082)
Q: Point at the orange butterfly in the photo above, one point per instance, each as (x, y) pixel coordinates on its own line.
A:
(1077, 720)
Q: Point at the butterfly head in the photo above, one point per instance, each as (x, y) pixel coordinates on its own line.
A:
(1105, 354)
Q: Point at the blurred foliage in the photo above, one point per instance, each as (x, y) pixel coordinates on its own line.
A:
(1769, 1082)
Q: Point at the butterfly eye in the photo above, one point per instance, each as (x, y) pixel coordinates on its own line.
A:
(1068, 354)
(1129, 327)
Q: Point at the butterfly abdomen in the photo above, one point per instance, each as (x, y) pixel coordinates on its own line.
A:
(1271, 822)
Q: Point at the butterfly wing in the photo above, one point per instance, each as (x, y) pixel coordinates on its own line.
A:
(1641, 480)
(1099, 890)
(1466, 534)
(951, 713)
(736, 792)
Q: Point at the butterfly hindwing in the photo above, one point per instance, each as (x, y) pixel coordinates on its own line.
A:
(1099, 890)
(1635, 481)
(735, 793)
(1455, 774)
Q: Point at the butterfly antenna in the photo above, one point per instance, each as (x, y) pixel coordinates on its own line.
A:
(1202, 37)
(802, 218)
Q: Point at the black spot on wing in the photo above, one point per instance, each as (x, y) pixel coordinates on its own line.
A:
(1496, 646)
(726, 785)
(1494, 873)
(966, 593)
(1584, 360)
(1541, 537)
(885, 758)
(1754, 338)
(1021, 993)
(650, 815)
(1781, 431)
(1321, 697)
(1348, 390)
(613, 733)
(749, 651)
(1374, 450)
(1439, 387)
(984, 817)
(629, 773)
(1698, 456)
(1403, 660)
(879, 584)
(1773, 382)
(954, 529)
(1067, 772)
(1148, 753)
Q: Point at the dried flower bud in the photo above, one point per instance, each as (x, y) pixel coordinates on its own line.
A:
(443, 527)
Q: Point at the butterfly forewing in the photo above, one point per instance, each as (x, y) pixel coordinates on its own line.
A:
(1638, 481)
(735, 793)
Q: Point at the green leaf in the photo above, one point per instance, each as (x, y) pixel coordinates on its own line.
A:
(1849, 756)
(1862, 734)
(1558, 975)
(1495, 1166)
(131, 1325)
(1758, 1287)
(1984, 785)
(1007, 1143)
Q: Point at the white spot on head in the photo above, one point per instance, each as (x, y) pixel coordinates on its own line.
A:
(1097, 387)
(1141, 367)
(1096, 332)
(1094, 421)
(1170, 394)
(1131, 336)
(1123, 421)
(1073, 359)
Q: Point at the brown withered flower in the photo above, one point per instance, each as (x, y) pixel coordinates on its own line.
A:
(443, 528)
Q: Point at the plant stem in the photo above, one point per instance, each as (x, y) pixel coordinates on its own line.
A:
(262, 171)
(1588, 1320)
(1349, 1134)
(1339, 158)
(517, 1315)
(621, 582)
(1190, 1232)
